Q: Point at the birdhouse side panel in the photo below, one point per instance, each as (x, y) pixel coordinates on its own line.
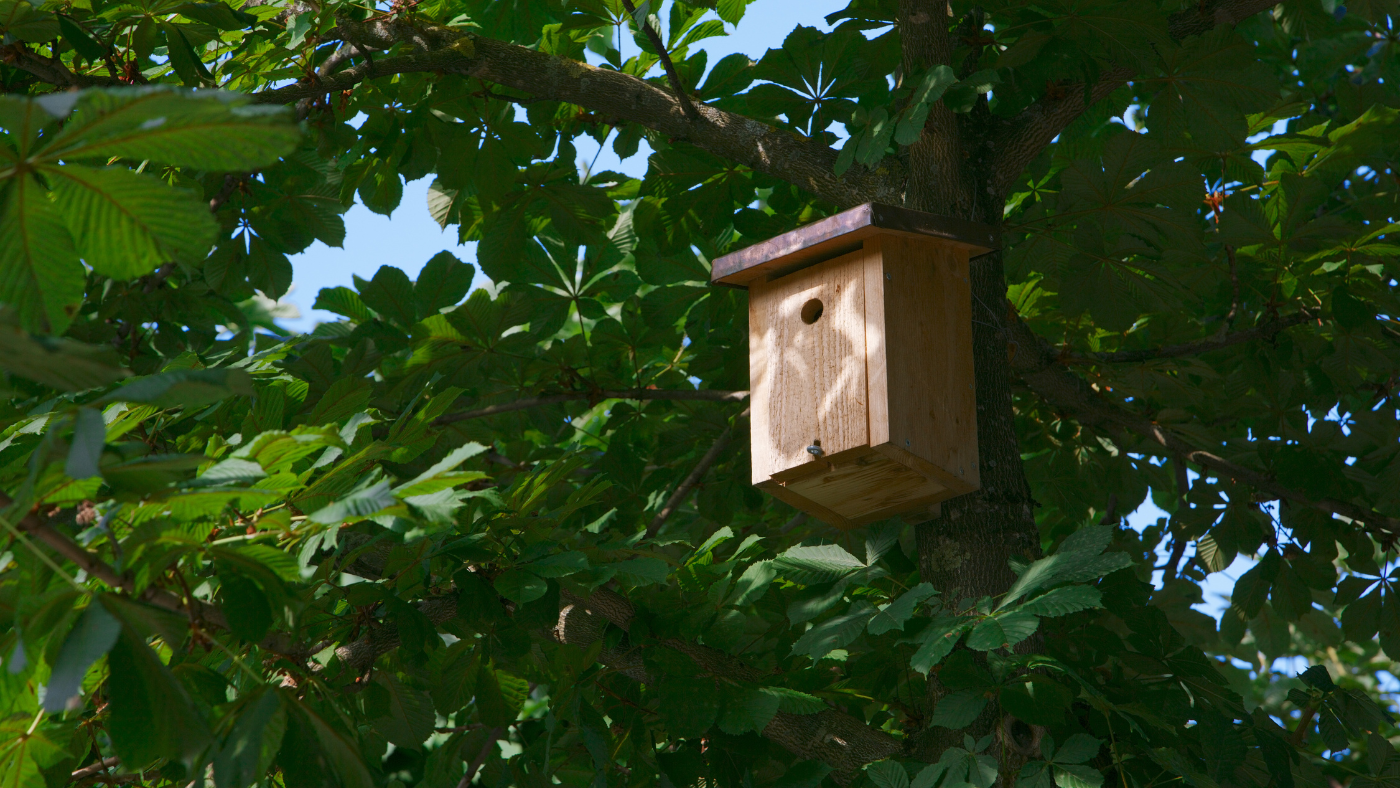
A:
(807, 365)
(925, 305)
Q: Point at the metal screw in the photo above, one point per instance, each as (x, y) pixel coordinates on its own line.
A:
(887, 276)
(815, 450)
(906, 442)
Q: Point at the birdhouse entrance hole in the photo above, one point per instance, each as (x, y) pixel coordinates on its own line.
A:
(860, 362)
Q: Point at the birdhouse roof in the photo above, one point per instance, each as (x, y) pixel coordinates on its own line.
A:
(842, 233)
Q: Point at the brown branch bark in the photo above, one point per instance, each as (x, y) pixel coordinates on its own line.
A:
(95, 768)
(936, 179)
(693, 478)
(52, 70)
(696, 395)
(480, 759)
(1037, 365)
(1026, 135)
(1262, 331)
(782, 154)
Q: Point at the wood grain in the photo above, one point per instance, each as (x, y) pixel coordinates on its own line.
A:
(808, 379)
(927, 318)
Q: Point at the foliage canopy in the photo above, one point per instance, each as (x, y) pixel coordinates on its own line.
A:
(506, 536)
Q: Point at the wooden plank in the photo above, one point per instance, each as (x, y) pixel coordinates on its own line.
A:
(928, 352)
(870, 488)
(808, 372)
(842, 233)
(876, 369)
(781, 492)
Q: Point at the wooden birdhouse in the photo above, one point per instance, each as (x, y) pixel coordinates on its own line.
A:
(862, 402)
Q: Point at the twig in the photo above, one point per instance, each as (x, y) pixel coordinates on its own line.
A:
(230, 183)
(1264, 331)
(1235, 288)
(481, 757)
(95, 768)
(690, 481)
(1110, 515)
(655, 38)
(704, 395)
(793, 522)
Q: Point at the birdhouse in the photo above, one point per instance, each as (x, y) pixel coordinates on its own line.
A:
(862, 401)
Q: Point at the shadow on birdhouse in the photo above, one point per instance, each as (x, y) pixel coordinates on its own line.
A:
(863, 404)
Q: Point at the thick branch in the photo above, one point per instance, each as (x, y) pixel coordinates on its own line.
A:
(52, 70)
(701, 395)
(1036, 364)
(1029, 132)
(1262, 331)
(610, 94)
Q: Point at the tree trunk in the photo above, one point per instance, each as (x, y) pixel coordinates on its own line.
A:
(964, 552)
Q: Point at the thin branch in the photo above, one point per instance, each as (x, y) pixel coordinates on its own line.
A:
(481, 757)
(1038, 366)
(95, 768)
(226, 191)
(1263, 331)
(655, 38)
(52, 70)
(696, 474)
(1229, 321)
(703, 395)
(783, 154)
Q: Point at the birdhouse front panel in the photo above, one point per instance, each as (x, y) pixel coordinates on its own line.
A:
(805, 330)
(862, 399)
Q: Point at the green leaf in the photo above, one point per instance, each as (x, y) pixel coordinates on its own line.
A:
(247, 752)
(89, 438)
(90, 638)
(127, 224)
(41, 277)
(752, 584)
(57, 363)
(750, 710)
(391, 294)
(151, 715)
(79, 39)
(817, 564)
(957, 710)
(217, 14)
(339, 750)
(443, 282)
(937, 639)
(835, 632)
(212, 131)
(558, 565)
(644, 570)
(409, 721)
(357, 505)
(520, 586)
(887, 774)
(1077, 749)
(183, 57)
(893, 615)
(1077, 777)
(1063, 601)
(190, 388)
(245, 606)
(927, 91)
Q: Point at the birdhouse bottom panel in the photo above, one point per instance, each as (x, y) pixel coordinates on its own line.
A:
(858, 486)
